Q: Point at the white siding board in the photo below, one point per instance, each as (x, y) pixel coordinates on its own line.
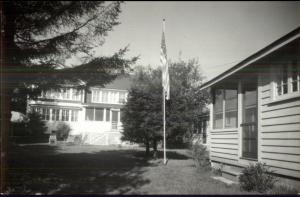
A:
(282, 120)
(282, 112)
(282, 128)
(282, 164)
(224, 150)
(282, 105)
(292, 173)
(229, 146)
(291, 135)
(282, 142)
(223, 155)
(284, 157)
(224, 141)
(284, 150)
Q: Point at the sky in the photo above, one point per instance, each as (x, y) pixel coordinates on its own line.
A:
(217, 34)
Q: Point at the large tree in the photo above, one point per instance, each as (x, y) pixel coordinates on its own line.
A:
(36, 39)
(142, 115)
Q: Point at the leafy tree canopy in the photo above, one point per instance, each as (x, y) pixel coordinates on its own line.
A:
(40, 35)
(142, 115)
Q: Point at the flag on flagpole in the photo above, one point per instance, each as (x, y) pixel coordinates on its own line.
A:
(164, 63)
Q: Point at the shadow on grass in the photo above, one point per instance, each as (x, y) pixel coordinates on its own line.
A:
(53, 170)
(172, 155)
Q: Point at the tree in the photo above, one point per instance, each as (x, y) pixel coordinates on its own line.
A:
(142, 115)
(36, 39)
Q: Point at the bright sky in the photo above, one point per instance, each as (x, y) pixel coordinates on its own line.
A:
(218, 34)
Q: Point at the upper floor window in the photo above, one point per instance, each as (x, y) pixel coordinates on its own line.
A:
(76, 94)
(108, 96)
(287, 80)
(225, 108)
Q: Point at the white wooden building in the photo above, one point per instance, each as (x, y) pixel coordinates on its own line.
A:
(255, 112)
(94, 114)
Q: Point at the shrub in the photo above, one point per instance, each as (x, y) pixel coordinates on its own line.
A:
(257, 177)
(200, 155)
(62, 131)
(35, 125)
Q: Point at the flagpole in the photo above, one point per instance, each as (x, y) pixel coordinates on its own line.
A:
(164, 112)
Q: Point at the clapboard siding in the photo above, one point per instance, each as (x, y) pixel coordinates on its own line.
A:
(280, 133)
(281, 149)
(281, 142)
(287, 172)
(224, 156)
(281, 112)
(266, 93)
(291, 135)
(224, 150)
(281, 128)
(281, 163)
(282, 105)
(225, 146)
(282, 120)
(281, 156)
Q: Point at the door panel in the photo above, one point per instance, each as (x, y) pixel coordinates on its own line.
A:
(249, 125)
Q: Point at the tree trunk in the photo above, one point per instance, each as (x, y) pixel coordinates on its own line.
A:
(154, 148)
(7, 53)
(147, 147)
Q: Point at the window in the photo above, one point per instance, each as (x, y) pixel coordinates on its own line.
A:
(96, 95)
(122, 96)
(89, 114)
(225, 108)
(75, 94)
(114, 97)
(65, 115)
(231, 108)
(218, 109)
(45, 113)
(104, 96)
(55, 114)
(107, 115)
(66, 93)
(287, 80)
(99, 114)
(74, 115)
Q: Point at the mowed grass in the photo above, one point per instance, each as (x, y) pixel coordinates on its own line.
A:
(62, 169)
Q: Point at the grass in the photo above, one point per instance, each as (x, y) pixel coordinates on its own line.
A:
(61, 169)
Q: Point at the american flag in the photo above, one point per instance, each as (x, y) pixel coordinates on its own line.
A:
(165, 69)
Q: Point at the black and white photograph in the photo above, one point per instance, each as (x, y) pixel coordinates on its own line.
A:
(150, 97)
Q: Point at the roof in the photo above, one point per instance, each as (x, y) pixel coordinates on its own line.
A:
(293, 35)
(121, 83)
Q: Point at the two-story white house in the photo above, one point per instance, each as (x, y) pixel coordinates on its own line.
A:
(95, 115)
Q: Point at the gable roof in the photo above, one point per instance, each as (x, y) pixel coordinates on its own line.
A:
(120, 83)
(293, 35)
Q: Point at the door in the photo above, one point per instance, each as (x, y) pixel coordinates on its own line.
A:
(249, 123)
(114, 121)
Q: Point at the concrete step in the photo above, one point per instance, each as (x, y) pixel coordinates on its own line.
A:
(231, 174)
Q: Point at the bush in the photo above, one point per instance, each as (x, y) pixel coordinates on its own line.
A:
(35, 126)
(257, 177)
(200, 155)
(62, 131)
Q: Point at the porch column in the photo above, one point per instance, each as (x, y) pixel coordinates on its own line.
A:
(240, 117)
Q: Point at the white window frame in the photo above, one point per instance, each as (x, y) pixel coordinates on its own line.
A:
(274, 84)
(224, 114)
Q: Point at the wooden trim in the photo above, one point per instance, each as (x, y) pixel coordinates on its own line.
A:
(259, 116)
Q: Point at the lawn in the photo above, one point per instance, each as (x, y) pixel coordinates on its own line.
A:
(62, 169)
